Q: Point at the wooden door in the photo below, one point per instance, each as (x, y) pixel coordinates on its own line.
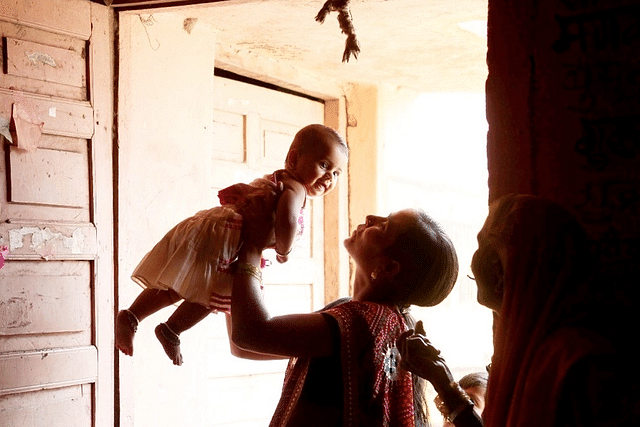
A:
(183, 134)
(253, 129)
(56, 287)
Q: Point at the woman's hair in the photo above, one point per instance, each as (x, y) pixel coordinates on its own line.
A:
(429, 269)
(428, 259)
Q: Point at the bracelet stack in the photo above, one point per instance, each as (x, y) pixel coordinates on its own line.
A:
(251, 270)
(456, 401)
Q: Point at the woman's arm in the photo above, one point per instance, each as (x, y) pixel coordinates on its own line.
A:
(245, 354)
(419, 356)
(253, 329)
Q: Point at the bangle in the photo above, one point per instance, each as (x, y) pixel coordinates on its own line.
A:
(278, 253)
(458, 411)
(458, 399)
(250, 269)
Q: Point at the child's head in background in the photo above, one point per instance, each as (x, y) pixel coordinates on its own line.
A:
(475, 385)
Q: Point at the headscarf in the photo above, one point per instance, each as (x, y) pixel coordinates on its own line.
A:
(542, 328)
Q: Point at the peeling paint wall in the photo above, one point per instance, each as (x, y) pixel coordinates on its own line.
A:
(44, 237)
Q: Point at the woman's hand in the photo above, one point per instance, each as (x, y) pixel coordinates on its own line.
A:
(419, 356)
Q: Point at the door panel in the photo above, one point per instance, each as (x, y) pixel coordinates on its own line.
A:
(61, 66)
(48, 177)
(63, 406)
(228, 136)
(183, 135)
(270, 120)
(55, 55)
(51, 299)
(53, 209)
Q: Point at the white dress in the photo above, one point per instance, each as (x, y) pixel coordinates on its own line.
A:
(194, 258)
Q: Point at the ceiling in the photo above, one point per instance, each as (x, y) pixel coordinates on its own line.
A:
(423, 45)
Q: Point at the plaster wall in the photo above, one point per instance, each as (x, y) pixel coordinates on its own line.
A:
(165, 117)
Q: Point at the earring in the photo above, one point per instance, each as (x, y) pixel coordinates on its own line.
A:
(374, 275)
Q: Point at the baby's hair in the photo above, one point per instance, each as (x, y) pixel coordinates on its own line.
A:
(310, 136)
(429, 260)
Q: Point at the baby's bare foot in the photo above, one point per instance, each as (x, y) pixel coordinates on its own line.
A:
(126, 326)
(170, 342)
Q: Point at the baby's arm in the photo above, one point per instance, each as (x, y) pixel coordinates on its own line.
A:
(286, 222)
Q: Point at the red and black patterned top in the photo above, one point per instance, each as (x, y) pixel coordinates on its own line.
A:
(360, 386)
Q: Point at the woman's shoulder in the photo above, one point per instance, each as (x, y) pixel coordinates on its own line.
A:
(351, 312)
(348, 303)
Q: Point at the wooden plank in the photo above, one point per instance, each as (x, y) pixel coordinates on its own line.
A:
(60, 117)
(28, 240)
(245, 98)
(276, 140)
(39, 302)
(64, 143)
(44, 36)
(49, 177)
(136, 4)
(38, 36)
(44, 212)
(69, 19)
(60, 407)
(101, 64)
(46, 63)
(229, 141)
(47, 369)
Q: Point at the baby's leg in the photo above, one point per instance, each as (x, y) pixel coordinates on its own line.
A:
(148, 302)
(187, 315)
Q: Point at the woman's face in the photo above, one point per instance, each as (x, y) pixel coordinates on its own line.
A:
(368, 242)
(486, 266)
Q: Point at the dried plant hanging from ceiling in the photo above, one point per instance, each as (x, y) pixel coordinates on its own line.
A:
(352, 47)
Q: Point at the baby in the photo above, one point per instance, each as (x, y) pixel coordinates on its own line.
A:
(194, 260)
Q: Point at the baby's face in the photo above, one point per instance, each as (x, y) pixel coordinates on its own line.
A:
(319, 169)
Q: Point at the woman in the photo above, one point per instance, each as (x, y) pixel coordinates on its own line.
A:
(343, 369)
(551, 366)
